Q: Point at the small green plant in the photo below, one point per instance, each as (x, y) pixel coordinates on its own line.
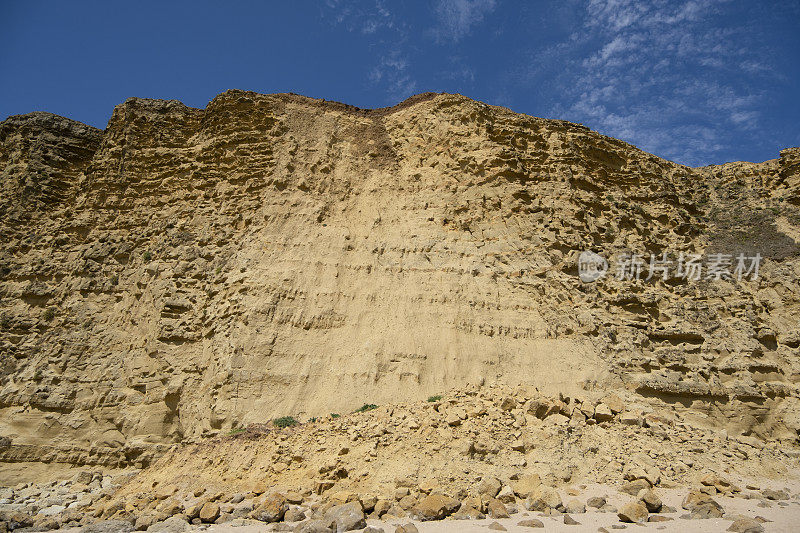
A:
(5, 321)
(435, 398)
(366, 407)
(48, 314)
(114, 280)
(335, 415)
(37, 375)
(218, 270)
(285, 422)
(147, 256)
(312, 419)
(236, 431)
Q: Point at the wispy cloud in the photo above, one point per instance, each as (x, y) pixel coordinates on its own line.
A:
(388, 37)
(660, 74)
(456, 18)
(392, 72)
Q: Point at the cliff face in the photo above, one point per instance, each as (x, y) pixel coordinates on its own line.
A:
(189, 271)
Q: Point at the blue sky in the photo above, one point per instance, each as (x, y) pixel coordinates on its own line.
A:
(695, 81)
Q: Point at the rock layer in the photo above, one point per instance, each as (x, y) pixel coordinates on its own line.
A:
(186, 272)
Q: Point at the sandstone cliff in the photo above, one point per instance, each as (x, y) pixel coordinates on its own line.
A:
(189, 271)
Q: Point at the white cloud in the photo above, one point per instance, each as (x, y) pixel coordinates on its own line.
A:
(663, 75)
(455, 18)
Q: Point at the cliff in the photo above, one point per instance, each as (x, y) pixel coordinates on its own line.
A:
(188, 271)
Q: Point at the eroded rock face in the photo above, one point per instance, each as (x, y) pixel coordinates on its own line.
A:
(188, 271)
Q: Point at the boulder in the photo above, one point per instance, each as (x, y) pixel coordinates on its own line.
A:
(497, 509)
(746, 525)
(634, 512)
(489, 487)
(209, 512)
(702, 505)
(435, 507)
(651, 500)
(272, 508)
(345, 517)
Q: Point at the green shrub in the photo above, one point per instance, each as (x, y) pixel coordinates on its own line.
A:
(435, 398)
(312, 419)
(335, 415)
(48, 314)
(147, 256)
(366, 407)
(236, 431)
(285, 422)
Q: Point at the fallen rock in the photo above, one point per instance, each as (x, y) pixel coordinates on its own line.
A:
(532, 522)
(271, 509)
(489, 486)
(497, 509)
(746, 525)
(574, 506)
(651, 500)
(345, 517)
(633, 512)
(702, 505)
(435, 507)
(596, 501)
(209, 512)
(497, 526)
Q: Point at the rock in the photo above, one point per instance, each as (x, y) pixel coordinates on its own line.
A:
(602, 413)
(630, 419)
(543, 499)
(294, 514)
(407, 502)
(746, 525)
(345, 517)
(489, 487)
(506, 495)
(428, 486)
(568, 520)
(373, 529)
(312, 526)
(272, 508)
(209, 512)
(596, 501)
(109, 526)
(407, 528)
(650, 500)
(291, 497)
(635, 487)
(574, 506)
(381, 507)
(368, 502)
(771, 494)
(497, 526)
(497, 509)
(526, 485)
(532, 522)
(467, 512)
(173, 524)
(702, 505)
(400, 493)
(658, 518)
(508, 403)
(435, 507)
(633, 512)
(639, 470)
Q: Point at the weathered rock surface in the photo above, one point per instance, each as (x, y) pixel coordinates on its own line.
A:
(187, 272)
